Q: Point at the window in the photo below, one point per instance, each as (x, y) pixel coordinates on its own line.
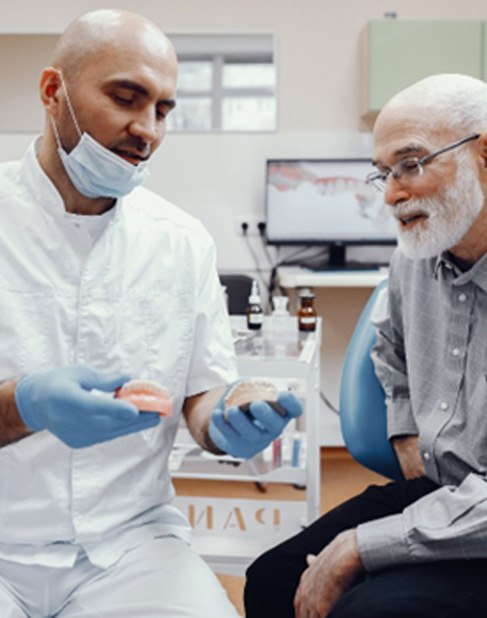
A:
(226, 83)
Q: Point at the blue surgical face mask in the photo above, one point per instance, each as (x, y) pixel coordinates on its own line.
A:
(94, 170)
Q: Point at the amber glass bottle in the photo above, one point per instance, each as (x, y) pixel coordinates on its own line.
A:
(307, 315)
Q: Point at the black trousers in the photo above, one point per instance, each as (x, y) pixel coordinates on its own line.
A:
(453, 589)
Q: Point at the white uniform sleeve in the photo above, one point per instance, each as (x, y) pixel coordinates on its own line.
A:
(213, 361)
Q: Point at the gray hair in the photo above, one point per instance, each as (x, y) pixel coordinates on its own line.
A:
(457, 101)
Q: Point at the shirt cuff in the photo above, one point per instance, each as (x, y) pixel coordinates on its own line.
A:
(383, 543)
(400, 420)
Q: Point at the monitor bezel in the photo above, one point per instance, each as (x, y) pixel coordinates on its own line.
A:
(322, 240)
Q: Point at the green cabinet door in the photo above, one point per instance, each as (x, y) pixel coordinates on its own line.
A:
(402, 52)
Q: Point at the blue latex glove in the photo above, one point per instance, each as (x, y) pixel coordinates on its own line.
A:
(241, 434)
(60, 401)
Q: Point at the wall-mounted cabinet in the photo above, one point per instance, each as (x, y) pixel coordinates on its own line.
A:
(400, 53)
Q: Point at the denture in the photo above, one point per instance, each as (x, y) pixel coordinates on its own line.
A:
(147, 396)
(246, 391)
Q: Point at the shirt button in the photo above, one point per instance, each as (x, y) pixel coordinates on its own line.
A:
(462, 297)
(444, 405)
(426, 456)
(455, 352)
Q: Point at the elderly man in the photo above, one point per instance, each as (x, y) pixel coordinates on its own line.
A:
(417, 547)
(100, 280)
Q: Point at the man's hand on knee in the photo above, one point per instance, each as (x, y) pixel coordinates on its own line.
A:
(329, 575)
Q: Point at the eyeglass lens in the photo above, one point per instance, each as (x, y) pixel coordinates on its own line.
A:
(412, 166)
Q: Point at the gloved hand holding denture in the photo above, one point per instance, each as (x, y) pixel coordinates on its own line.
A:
(250, 415)
(60, 401)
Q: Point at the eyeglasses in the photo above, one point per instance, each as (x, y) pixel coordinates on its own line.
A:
(411, 166)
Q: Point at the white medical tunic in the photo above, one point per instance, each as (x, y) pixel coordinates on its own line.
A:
(140, 296)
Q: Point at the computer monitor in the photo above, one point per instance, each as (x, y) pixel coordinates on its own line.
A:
(325, 202)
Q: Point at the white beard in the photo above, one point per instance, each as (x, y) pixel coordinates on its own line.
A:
(449, 217)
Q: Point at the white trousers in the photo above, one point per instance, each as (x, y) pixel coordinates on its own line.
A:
(161, 578)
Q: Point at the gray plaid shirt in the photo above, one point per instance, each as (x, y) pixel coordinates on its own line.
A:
(431, 357)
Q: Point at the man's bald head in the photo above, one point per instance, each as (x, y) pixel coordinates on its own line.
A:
(103, 31)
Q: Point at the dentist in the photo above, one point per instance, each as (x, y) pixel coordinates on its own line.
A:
(102, 280)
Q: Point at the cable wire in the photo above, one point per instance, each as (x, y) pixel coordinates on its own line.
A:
(328, 403)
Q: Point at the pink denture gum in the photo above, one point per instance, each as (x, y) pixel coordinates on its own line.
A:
(147, 396)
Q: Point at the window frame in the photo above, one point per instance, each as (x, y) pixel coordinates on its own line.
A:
(221, 50)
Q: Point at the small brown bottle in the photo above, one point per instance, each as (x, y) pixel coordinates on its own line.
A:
(307, 315)
(255, 314)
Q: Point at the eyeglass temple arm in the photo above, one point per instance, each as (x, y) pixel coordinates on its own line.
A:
(470, 138)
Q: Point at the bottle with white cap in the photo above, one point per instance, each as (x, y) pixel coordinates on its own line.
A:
(255, 314)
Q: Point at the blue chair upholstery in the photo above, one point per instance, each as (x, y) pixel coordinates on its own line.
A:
(362, 405)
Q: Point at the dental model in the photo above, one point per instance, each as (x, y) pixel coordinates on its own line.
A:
(147, 396)
(246, 391)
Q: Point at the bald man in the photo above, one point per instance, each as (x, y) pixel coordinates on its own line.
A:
(101, 280)
(417, 547)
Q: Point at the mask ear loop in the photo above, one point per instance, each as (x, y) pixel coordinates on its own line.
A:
(56, 133)
(70, 106)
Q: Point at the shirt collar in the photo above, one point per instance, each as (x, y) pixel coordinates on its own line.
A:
(38, 183)
(477, 273)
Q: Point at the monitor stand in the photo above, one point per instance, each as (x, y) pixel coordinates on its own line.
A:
(336, 260)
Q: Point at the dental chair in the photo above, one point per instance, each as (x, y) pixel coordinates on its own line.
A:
(362, 400)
